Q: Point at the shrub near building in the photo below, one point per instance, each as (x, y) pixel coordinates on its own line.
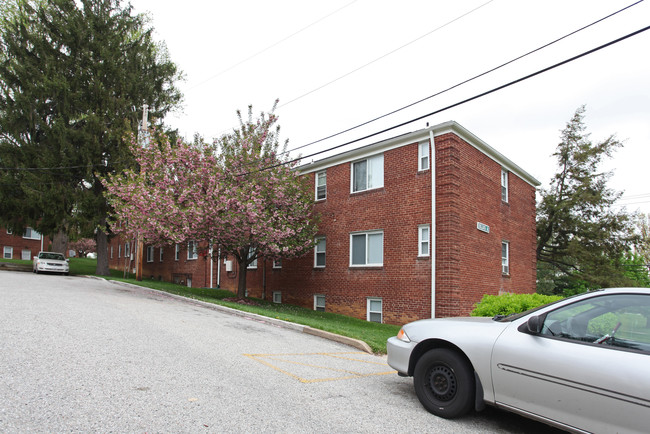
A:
(505, 304)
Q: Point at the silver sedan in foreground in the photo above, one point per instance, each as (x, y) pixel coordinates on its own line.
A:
(581, 364)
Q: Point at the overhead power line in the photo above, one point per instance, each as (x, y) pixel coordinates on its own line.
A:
(377, 59)
(34, 169)
(465, 81)
(270, 46)
(498, 88)
(387, 54)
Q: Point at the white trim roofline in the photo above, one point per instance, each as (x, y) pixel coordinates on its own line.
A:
(417, 136)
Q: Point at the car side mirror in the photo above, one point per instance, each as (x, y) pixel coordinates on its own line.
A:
(534, 324)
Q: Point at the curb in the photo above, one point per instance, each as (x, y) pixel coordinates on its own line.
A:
(10, 266)
(360, 345)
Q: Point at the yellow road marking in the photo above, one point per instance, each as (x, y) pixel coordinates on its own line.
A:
(263, 359)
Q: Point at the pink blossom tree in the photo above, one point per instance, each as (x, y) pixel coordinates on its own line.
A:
(269, 213)
(171, 197)
(237, 194)
(83, 246)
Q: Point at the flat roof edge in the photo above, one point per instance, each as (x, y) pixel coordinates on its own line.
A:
(423, 134)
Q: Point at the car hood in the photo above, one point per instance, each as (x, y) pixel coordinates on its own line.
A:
(459, 330)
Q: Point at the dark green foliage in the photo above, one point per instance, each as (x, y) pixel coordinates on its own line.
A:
(505, 304)
(580, 237)
(73, 78)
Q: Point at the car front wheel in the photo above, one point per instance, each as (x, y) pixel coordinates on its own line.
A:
(444, 383)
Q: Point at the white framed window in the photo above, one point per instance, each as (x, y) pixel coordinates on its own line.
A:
(424, 240)
(177, 252)
(505, 257)
(127, 249)
(277, 263)
(149, 253)
(8, 252)
(319, 252)
(321, 185)
(119, 250)
(319, 303)
(31, 234)
(277, 296)
(161, 254)
(423, 155)
(251, 254)
(192, 252)
(368, 174)
(504, 185)
(367, 249)
(374, 310)
(26, 255)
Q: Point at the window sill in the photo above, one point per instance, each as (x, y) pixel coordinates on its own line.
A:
(366, 267)
(370, 190)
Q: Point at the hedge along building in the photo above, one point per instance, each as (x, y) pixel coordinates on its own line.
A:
(377, 255)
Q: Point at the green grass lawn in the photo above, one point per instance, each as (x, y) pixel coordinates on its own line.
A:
(375, 335)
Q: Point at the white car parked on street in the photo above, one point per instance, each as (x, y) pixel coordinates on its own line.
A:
(51, 262)
(581, 364)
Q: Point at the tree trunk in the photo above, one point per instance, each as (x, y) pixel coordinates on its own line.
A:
(241, 281)
(60, 243)
(102, 250)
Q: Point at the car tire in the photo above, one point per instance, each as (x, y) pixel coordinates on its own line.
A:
(444, 383)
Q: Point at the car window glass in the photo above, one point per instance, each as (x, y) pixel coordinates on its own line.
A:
(616, 320)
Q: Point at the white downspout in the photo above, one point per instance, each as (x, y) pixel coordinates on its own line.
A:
(219, 268)
(433, 224)
(211, 263)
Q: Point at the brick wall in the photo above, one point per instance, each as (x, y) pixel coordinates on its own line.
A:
(468, 261)
(19, 244)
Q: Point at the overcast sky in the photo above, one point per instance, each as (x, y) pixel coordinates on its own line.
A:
(336, 64)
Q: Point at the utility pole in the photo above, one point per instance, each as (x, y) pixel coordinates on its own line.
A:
(143, 139)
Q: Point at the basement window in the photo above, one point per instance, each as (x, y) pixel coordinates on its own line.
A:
(374, 310)
(319, 303)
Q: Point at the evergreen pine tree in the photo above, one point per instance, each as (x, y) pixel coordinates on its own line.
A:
(73, 78)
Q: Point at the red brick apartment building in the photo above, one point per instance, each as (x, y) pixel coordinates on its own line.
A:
(376, 255)
(24, 246)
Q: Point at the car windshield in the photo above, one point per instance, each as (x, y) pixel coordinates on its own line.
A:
(55, 256)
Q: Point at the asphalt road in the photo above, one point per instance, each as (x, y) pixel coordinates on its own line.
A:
(86, 355)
